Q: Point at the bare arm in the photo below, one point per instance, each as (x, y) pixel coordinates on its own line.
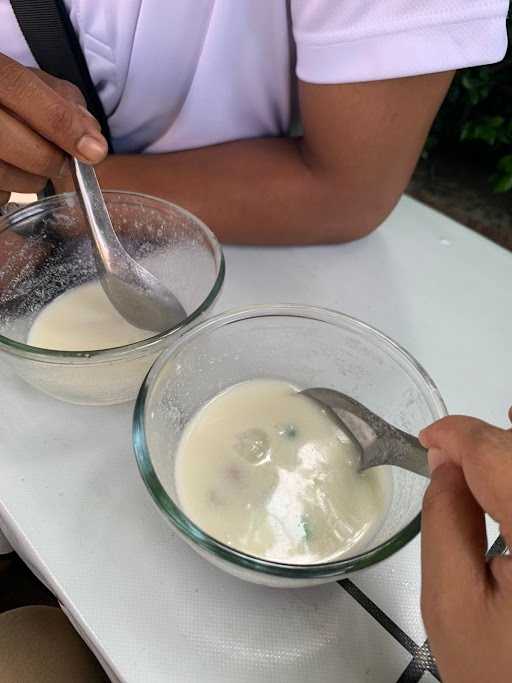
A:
(361, 143)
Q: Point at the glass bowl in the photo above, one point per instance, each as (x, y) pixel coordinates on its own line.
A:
(45, 250)
(309, 347)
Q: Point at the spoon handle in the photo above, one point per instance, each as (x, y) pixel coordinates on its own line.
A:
(400, 449)
(105, 239)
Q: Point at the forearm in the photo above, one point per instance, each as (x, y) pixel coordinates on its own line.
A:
(261, 191)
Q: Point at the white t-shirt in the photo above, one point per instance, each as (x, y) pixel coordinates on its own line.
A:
(179, 74)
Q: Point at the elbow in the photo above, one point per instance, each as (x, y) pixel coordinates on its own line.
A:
(346, 217)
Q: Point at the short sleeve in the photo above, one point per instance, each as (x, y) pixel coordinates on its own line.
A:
(346, 41)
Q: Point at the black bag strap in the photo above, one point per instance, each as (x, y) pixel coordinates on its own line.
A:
(52, 39)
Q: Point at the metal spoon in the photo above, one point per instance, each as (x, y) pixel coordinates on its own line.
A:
(137, 294)
(379, 442)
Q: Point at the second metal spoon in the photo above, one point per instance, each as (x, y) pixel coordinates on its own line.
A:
(379, 442)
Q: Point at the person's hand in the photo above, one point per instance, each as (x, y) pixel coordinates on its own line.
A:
(41, 119)
(466, 600)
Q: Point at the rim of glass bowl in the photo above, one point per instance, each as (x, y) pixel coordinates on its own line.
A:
(102, 355)
(219, 549)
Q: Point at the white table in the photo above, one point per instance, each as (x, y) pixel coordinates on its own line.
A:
(73, 506)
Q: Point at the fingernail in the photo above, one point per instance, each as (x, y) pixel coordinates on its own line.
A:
(92, 149)
(421, 438)
(436, 457)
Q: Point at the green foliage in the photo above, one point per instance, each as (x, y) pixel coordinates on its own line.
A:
(490, 129)
(476, 119)
(502, 179)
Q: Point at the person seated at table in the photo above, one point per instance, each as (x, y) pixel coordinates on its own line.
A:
(201, 98)
(466, 600)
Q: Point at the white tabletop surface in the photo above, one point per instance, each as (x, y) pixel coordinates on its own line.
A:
(73, 505)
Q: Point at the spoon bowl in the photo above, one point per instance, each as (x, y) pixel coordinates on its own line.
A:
(134, 292)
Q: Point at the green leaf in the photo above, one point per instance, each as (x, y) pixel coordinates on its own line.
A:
(505, 164)
(494, 121)
(502, 180)
(477, 84)
(502, 183)
(489, 129)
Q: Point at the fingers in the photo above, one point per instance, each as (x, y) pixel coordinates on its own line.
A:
(485, 454)
(56, 118)
(436, 458)
(454, 435)
(453, 543)
(63, 184)
(501, 569)
(13, 179)
(22, 147)
(68, 90)
(35, 140)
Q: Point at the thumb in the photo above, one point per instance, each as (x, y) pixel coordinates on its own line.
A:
(453, 544)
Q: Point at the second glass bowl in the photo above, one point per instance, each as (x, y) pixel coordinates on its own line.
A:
(309, 347)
